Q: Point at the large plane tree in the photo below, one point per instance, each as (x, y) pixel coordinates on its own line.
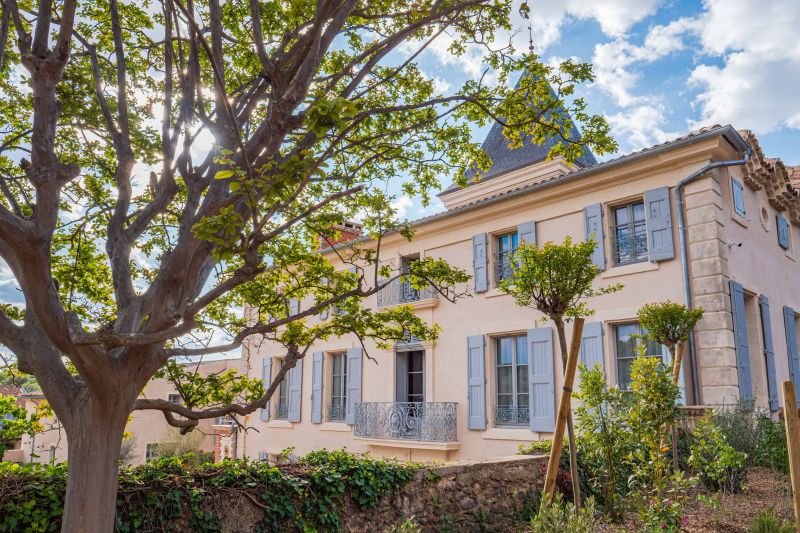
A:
(164, 164)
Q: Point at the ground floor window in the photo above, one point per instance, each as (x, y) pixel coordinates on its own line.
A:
(511, 380)
(150, 451)
(338, 405)
(628, 338)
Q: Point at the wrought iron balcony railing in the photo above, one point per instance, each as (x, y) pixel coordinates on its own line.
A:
(509, 415)
(629, 243)
(400, 291)
(282, 411)
(504, 265)
(422, 421)
(337, 412)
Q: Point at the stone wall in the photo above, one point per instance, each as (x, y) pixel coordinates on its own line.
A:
(490, 495)
(469, 496)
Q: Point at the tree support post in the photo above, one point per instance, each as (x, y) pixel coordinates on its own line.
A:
(793, 443)
(564, 408)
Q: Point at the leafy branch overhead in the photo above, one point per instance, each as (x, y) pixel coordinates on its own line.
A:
(165, 165)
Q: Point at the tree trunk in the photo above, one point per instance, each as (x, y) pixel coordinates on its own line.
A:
(94, 440)
(573, 447)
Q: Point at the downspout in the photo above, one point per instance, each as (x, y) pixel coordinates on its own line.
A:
(684, 250)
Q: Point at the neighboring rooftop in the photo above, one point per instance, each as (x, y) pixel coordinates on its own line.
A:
(11, 390)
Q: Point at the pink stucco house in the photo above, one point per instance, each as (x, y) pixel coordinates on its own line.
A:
(704, 219)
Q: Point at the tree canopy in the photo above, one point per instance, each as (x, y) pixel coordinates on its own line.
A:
(164, 164)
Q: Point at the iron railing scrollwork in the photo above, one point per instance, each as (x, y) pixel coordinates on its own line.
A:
(504, 265)
(510, 415)
(421, 421)
(400, 291)
(337, 412)
(629, 243)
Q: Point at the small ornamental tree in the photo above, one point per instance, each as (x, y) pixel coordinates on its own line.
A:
(165, 164)
(670, 324)
(556, 279)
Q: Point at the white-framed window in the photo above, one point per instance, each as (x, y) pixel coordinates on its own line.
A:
(505, 248)
(282, 402)
(627, 339)
(263, 456)
(337, 407)
(737, 192)
(629, 233)
(511, 380)
(150, 451)
(174, 398)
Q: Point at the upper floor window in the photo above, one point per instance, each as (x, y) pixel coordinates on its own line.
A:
(629, 234)
(511, 378)
(282, 407)
(737, 189)
(174, 398)
(628, 338)
(338, 405)
(506, 247)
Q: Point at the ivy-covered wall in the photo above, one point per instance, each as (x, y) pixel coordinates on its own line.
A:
(325, 491)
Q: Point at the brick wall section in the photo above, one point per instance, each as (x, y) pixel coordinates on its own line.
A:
(709, 273)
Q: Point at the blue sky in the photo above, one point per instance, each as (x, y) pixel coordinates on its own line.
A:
(665, 67)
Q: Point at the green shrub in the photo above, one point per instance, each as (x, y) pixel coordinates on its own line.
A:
(561, 516)
(767, 522)
(719, 466)
(307, 496)
(738, 424)
(409, 526)
(771, 449)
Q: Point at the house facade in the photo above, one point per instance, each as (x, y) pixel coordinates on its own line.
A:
(492, 379)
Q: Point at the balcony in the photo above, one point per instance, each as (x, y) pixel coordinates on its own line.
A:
(400, 292)
(509, 415)
(504, 266)
(430, 425)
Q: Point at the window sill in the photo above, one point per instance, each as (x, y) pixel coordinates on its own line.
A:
(412, 444)
(426, 303)
(508, 433)
(280, 423)
(740, 220)
(335, 426)
(494, 292)
(626, 270)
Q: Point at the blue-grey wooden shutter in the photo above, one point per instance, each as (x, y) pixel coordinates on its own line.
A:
(266, 378)
(658, 217)
(783, 231)
(740, 336)
(295, 392)
(541, 380)
(769, 353)
(592, 345)
(316, 387)
(354, 356)
(791, 348)
(480, 262)
(476, 374)
(294, 306)
(737, 190)
(593, 223)
(527, 232)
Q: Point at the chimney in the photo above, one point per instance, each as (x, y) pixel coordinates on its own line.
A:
(341, 233)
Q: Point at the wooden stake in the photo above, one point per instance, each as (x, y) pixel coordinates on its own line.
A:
(793, 443)
(564, 406)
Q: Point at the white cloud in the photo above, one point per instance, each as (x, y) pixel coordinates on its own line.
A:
(756, 86)
(402, 205)
(642, 125)
(613, 61)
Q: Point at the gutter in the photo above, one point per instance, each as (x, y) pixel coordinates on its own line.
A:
(684, 247)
